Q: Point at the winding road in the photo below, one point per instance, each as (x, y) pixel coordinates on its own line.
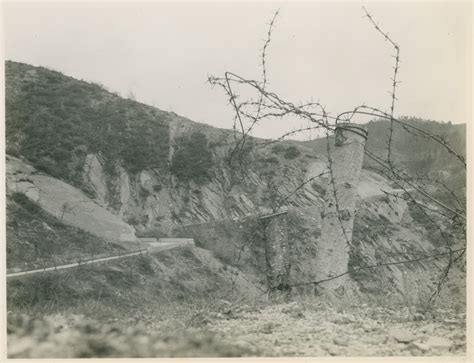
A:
(149, 247)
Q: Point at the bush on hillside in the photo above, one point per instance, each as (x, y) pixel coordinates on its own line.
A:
(278, 148)
(54, 121)
(291, 153)
(193, 159)
(271, 160)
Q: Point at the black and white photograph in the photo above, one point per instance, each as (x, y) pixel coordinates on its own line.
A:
(236, 179)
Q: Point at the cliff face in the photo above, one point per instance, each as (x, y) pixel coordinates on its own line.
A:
(150, 168)
(155, 200)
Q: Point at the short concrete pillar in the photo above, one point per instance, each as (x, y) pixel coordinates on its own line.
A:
(277, 252)
(346, 156)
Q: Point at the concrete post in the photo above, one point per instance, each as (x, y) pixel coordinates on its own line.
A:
(277, 252)
(347, 155)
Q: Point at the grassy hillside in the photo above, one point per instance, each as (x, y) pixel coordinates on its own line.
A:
(103, 291)
(54, 121)
(35, 238)
(127, 287)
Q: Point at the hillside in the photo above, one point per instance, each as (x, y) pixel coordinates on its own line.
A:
(417, 155)
(90, 155)
(88, 172)
(36, 238)
(153, 168)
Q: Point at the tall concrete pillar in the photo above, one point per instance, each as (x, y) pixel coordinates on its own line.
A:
(277, 252)
(346, 156)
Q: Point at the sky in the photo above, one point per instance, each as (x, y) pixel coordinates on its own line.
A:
(163, 53)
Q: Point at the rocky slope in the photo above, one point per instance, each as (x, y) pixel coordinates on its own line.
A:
(67, 203)
(128, 157)
(117, 168)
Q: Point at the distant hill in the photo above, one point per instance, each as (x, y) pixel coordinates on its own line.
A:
(414, 154)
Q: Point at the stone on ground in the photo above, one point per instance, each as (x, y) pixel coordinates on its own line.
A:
(401, 335)
(438, 342)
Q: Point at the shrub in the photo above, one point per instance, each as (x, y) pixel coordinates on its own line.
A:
(278, 148)
(318, 188)
(144, 193)
(133, 221)
(25, 202)
(193, 159)
(154, 232)
(291, 153)
(271, 160)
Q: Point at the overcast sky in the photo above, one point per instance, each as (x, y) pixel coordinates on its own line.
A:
(163, 53)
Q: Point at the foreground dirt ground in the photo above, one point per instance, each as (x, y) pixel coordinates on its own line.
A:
(289, 329)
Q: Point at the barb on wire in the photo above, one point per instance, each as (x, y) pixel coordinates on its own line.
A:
(396, 69)
(264, 76)
(270, 106)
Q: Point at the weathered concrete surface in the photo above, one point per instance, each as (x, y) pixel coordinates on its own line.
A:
(346, 155)
(277, 252)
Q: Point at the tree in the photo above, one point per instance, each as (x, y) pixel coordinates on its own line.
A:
(193, 159)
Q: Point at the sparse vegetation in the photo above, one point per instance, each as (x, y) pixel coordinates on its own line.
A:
(193, 159)
(152, 233)
(271, 160)
(133, 220)
(278, 148)
(54, 120)
(291, 153)
(317, 187)
(35, 238)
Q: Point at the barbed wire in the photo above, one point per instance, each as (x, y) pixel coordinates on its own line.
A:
(270, 106)
(394, 80)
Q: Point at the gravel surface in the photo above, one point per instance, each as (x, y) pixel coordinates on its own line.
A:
(289, 329)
